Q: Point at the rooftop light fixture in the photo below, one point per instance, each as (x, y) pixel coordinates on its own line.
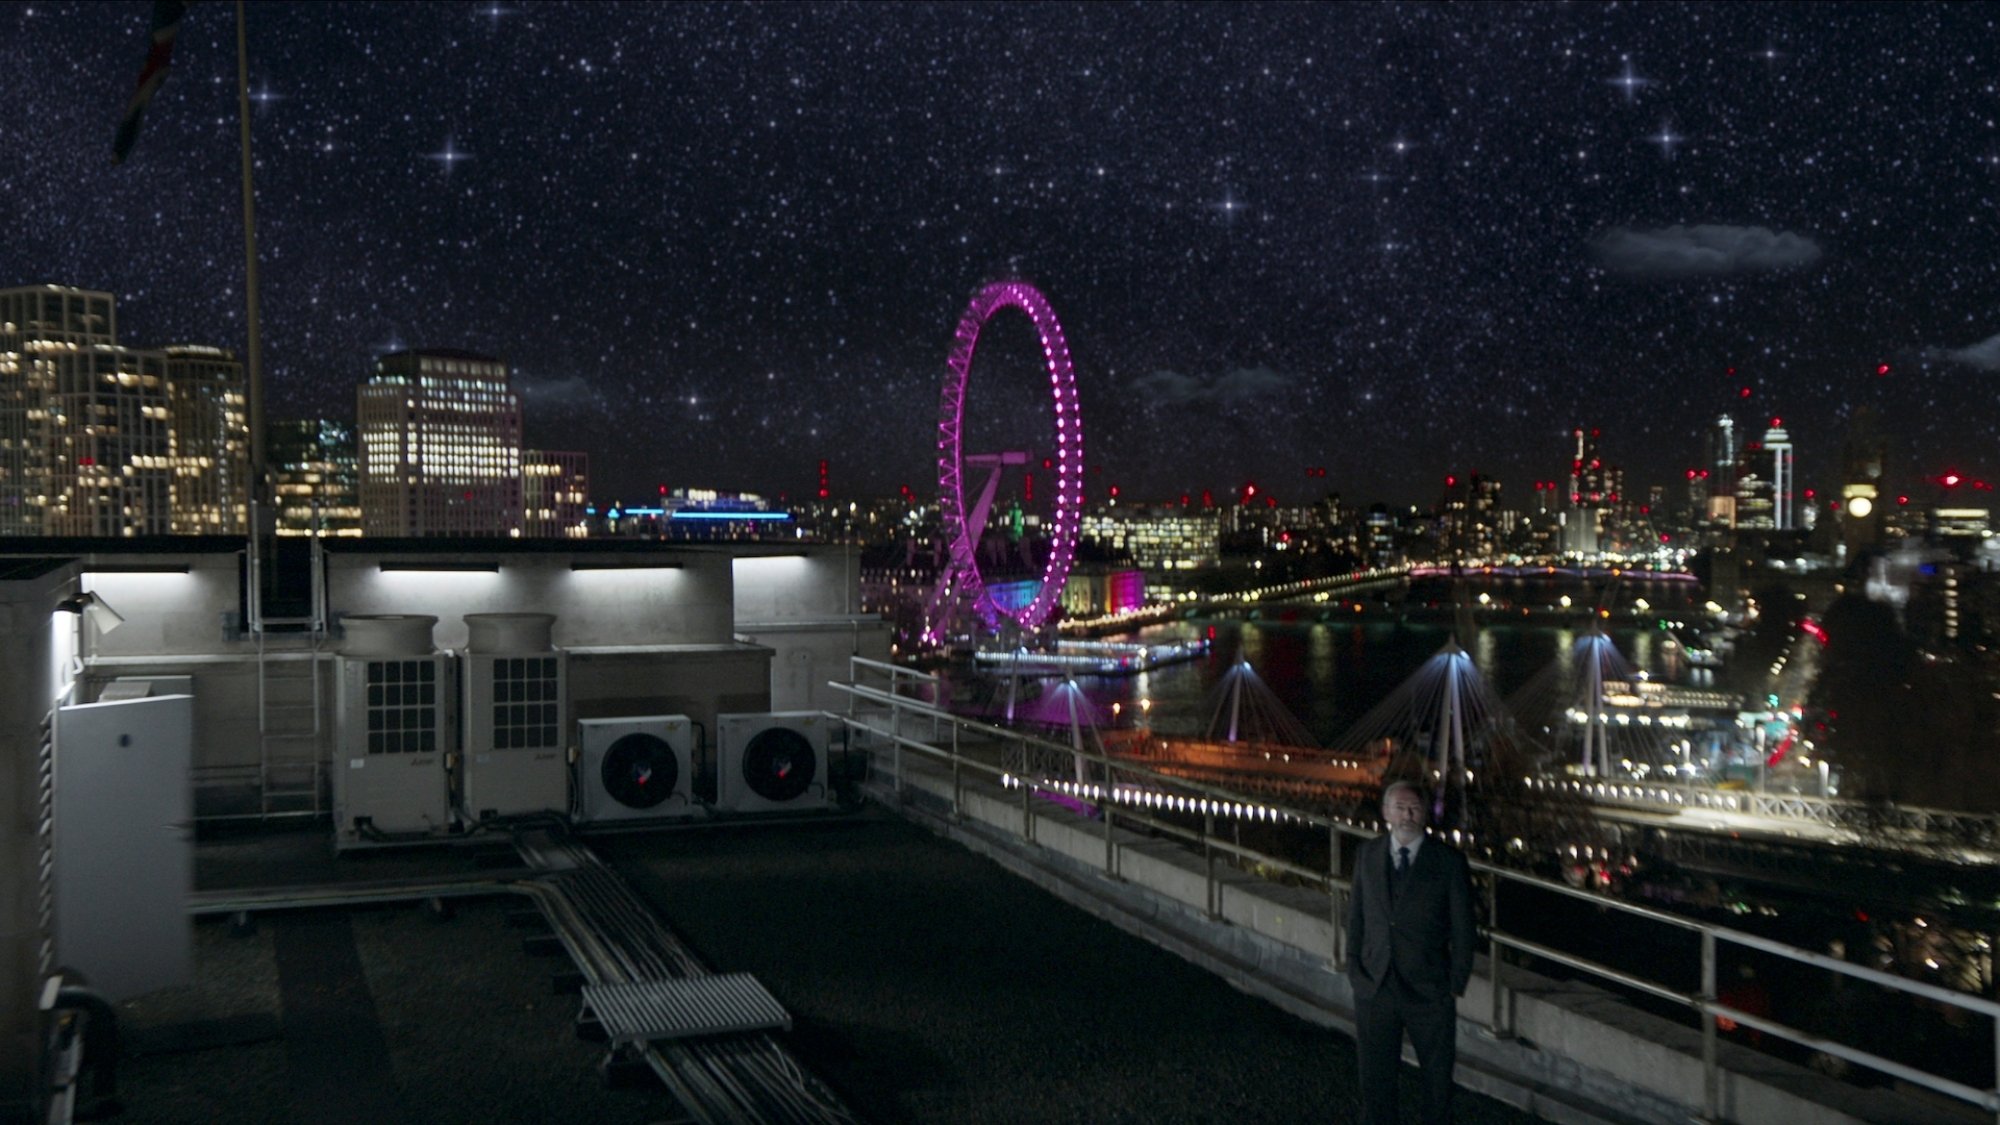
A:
(93, 607)
(624, 564)
(473, 567)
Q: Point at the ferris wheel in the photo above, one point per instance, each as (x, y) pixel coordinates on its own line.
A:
(960, 586)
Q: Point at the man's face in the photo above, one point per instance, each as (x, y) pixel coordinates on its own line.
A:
(1404, 811)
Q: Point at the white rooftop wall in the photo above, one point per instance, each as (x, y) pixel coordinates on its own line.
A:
(689, 604)
(817, 584)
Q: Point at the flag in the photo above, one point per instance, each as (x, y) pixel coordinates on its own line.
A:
(166, 24)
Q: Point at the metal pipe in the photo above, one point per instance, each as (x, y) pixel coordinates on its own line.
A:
(1493, 962)
(1208, 854)
(1104, 808)
(1711, 1078)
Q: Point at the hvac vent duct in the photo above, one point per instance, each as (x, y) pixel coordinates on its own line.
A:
(394, 724)
(516, 692)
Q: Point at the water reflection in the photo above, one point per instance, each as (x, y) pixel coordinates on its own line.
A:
(1329, 674)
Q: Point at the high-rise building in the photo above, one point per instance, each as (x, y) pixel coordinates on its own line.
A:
(1755, 507)
(1469, 517)
(1589, 492)
(315, 481)
(43, 328)
(1764, 482)
(440, 446)
(1778, 445)
(208, 441)
(106, 433)
(555, 494)
(1719, 473)
(84, 446)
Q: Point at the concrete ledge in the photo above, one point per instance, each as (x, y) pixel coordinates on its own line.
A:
(1577, 1053)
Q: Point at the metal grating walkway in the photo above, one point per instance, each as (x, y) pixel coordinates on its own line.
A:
(691, 1007)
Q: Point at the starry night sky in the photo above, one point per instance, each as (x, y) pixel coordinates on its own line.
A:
(720, 242)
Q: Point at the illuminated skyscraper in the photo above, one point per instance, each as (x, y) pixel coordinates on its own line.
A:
(83, 422)
(208, 441)
(42, 330)
(1778, 446)
(314, 477)
(1719, 471)
(1583, 515)
(1764, 482)
(555, 493)
(440, 446)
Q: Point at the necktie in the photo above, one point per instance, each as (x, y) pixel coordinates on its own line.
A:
(1402, 862)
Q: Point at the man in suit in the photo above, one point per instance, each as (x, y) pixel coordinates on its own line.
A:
(1409, 955)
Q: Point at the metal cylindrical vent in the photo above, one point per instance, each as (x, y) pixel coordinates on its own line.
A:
(387, 634)
(509, 632)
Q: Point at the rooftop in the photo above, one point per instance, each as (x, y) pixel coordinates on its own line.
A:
(925, 984)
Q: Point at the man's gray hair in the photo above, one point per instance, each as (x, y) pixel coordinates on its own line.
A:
(1410, 785)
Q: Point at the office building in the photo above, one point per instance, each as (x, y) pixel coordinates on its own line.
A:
(1778, 446)
(208, 441)
(104, 440)
(555, 493)
(1157, 539)
(440, 446)
(315, 481)
(1589, 494)
(84, 447)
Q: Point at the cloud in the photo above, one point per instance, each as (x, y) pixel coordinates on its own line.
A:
(1984, 355)
(572, 391)
(1704, 250)
(1171, 388)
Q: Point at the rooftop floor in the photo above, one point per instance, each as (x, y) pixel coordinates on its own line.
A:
(926, 984)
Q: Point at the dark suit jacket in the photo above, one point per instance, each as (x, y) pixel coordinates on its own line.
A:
(1427, 932)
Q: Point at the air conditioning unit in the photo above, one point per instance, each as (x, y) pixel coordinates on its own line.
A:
(638, 768)
(775, 761)
(395, 722)
(515, 757)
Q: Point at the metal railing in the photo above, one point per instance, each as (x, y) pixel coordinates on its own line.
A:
(1122, 792)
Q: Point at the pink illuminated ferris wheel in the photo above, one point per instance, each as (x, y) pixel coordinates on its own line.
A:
(960, 586)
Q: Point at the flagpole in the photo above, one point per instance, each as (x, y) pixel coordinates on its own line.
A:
(255, 359)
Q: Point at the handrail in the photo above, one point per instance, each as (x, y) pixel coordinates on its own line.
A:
(1123, 765)
(1704, 1002)
(897, 671)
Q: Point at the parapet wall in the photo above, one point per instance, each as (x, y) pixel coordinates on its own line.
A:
(1572, 1052)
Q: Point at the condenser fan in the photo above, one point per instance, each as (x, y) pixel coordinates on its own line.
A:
(639, 770)
(779, 764)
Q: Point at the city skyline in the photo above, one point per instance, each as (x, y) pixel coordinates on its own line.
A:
(717, 245)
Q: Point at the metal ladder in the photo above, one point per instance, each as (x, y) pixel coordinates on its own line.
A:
(290, 696)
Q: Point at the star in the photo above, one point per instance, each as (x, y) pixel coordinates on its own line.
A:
(448, 157)
(1666, 138)
(1628, 82)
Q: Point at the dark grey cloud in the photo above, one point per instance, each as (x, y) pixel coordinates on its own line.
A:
(1241, 385)
(1984, 355)
(1706, 249)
